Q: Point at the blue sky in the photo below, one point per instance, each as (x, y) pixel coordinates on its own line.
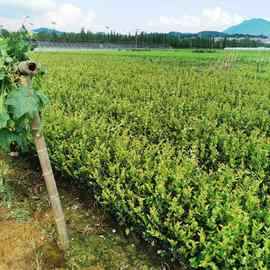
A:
(128, 15)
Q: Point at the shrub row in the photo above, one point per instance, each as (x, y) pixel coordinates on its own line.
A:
(178, 153)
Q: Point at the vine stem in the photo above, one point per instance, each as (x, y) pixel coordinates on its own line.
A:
(48, 175)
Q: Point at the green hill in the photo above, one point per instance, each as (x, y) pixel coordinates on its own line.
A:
(251, 27)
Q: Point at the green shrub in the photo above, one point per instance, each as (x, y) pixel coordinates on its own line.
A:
(177, 153)
(5, 190)
(18, 104)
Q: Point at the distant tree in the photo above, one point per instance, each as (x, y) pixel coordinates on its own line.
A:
(169, 40)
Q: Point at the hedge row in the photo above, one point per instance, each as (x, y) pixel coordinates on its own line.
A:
(178, 153)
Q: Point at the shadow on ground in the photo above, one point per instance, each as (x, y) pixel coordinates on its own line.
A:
(28, 237)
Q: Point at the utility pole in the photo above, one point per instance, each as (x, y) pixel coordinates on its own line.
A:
(25, 18)
(108, 33)
(136, 37)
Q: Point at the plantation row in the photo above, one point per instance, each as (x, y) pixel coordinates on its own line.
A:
(176, 151)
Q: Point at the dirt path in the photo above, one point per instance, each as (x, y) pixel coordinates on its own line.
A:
(18, 242)
(28, 237)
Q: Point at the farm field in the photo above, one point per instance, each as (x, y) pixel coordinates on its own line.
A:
(174, 145)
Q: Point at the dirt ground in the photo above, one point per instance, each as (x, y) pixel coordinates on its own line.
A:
(28, 240)
(18, 245)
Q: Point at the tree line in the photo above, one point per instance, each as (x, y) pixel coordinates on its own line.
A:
(156, 40)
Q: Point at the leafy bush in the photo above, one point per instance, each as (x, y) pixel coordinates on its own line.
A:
(5, 190)
(18, 104)
(177, 153)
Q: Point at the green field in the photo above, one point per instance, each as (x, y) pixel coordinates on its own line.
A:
(175, 145)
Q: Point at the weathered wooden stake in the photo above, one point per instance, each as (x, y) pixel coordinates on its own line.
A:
(27, 70)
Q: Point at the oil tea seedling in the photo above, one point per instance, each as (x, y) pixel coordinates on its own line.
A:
(177, 152)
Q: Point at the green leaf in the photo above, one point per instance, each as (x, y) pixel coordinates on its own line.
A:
(44, 100)
(4, 117)
(8, 60)
(2, 75)
(23, 101)
(6, 138)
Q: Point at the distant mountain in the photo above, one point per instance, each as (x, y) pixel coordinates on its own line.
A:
(253, 27)
(47, 31)
(208, 34)
(179, 34)
(247, 29)
(203, 34)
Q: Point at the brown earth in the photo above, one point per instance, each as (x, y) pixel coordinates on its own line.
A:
(28, 239)
(18, 244)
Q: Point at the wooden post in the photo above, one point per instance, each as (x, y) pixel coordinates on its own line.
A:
(27, 70)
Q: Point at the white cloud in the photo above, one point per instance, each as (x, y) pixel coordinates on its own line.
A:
(8, 23)
(68, 17)
(221, 18)
(184, 21)
(209, 19)
(71, 17)
(28, 5)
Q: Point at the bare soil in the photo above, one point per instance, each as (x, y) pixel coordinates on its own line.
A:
(28, 239)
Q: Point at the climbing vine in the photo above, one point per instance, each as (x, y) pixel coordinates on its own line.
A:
(18, 105)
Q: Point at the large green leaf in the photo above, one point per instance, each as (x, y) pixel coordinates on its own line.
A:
(4, 117)
(23, 101)
(44, 100)
(2, 75)
(18, 105)
(6, 138)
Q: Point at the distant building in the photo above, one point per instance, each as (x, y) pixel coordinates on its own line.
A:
(246, 49)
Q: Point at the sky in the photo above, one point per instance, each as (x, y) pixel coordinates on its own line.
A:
(128, 15)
